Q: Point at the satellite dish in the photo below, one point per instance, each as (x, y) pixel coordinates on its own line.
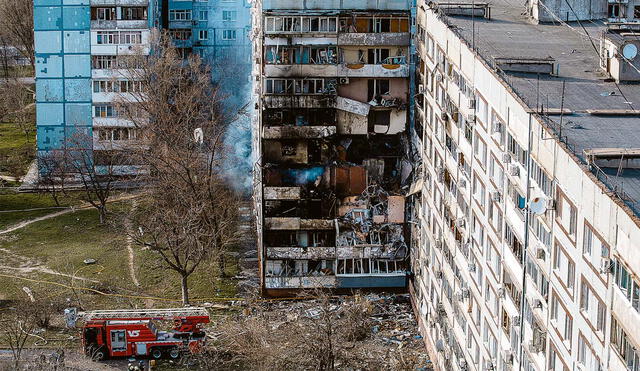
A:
(198, 135)
(538, 205)
(630, 51)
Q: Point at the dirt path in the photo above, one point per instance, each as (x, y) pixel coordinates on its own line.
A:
(25, 265)
(132, 267)
(56, 214)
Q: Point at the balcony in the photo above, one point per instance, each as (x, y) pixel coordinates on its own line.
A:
(299, 282)
(120, 24)
(298, 132)
(298, 224)
(300, 70)
(282, 193)
(374, 39)
(301, 253)
(299, 101)
(182, 24)
(374, 70)
(120, 2)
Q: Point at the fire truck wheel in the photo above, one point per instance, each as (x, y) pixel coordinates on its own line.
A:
(156, 353)
(174, 353)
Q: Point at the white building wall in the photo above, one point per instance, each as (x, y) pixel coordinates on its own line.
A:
(610, 219)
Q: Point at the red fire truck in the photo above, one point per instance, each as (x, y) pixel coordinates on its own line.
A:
(134, 333)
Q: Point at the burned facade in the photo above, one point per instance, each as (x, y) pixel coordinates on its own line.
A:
(333, 99)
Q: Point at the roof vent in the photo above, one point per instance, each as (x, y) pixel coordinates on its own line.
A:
(545, 66)
(465, 9)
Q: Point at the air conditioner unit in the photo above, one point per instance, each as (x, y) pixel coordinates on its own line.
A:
(420, 89)
(465, 292)
(472, 103)
(508, 357)
(343, 81)
(472, 267)
(551, 204)
(462, 183)
(515, 320)
(459, 296)
(495, 128)
(438, 275)
(501, 292)
(506, 157)
(438, 243)
(460, 223)
(536, 303)
(470, 117)
(541, 253)
(496, 196)
(514, 170)
(444, 116)
(462, 363)
(489, 366)
(605, 266)
(438, 77)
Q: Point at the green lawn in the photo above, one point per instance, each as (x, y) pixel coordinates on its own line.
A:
(62, 243)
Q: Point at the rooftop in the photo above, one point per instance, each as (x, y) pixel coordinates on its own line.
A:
(598, 112)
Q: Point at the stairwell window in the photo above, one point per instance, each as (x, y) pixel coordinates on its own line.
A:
(180, 15)
(564, 268)
(566, 214)
(228, 34)
(229, 15)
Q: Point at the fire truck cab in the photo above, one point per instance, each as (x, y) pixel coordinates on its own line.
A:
(135, 333)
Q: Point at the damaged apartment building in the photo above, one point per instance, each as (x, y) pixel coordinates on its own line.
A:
(332, 88)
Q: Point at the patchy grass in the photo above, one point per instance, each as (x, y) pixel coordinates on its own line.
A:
(11, 200)
(17, 150)
(62, 243)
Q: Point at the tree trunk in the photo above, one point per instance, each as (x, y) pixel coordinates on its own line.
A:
(102, 211)
(185, 290)
(221, 265)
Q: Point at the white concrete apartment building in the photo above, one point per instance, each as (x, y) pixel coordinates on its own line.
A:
(526, 124)
(119, 28)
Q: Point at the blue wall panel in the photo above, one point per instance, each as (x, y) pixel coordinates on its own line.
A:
(78, 114)
(48, 65)
(77, 90)
(77, 65)
(48, 42)
(77, 18)
(47, 18)
(49, 90)
(77, 42)
(63, 69)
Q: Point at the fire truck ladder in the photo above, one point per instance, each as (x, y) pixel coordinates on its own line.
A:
(144, 313)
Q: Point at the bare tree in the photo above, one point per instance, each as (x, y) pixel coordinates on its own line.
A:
(94, 174)
(16, 327)
(16, 23)
(190, 214)
(52, 175)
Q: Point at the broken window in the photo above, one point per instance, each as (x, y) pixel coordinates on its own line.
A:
(377, 88)
(616, 10)
(301, 24)
(377, 55)
(288, 149)
(103, 14)
(135, 13)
